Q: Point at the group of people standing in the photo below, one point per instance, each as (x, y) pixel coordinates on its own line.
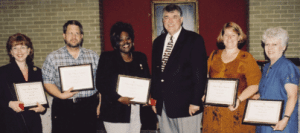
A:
(180, 69)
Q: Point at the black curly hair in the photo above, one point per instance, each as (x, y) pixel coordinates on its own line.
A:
(116, 31)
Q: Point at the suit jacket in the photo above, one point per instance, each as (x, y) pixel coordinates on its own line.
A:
(15, 122)
(110, 66)
(184, 78)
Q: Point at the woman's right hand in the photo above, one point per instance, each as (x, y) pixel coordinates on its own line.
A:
(125, 100)
(14, 105)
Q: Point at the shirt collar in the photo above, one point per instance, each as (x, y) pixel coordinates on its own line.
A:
(66, 50)
(175, 36)
(277, 62)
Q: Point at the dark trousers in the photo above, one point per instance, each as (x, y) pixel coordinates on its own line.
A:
(78, 117)
(23, 122)
(33, 122)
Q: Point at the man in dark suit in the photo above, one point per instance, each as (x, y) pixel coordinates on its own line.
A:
(179, 72)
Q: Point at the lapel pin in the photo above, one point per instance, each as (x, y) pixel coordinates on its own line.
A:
(141, 66)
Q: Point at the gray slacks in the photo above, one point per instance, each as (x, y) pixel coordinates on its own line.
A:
(191, 124)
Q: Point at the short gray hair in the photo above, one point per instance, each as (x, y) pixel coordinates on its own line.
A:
(276, 33)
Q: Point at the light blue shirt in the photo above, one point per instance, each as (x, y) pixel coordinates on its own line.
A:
(271, 87)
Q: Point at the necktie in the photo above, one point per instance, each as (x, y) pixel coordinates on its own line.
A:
(166, 54)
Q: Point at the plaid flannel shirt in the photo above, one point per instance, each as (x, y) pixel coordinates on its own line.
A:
(62, 57)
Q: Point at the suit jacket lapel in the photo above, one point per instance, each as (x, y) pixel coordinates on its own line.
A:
(31, 72)
(160, 49)
(16, 74)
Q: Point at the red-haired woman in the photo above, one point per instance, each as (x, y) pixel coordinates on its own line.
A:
(20, 69)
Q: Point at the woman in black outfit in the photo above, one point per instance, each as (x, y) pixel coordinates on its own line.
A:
(20, 69)
(117, 112)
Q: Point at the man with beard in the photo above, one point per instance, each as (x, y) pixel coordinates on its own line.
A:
(72, 112)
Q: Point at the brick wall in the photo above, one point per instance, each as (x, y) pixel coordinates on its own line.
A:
(42, 21)
(264, 14)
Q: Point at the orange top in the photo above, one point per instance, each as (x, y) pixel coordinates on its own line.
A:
(221, 119)
(243, 67)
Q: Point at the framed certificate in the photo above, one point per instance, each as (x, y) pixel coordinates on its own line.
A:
(263, 112)
(221, 92)
(134, 87)
(31, 93)
(80, 77)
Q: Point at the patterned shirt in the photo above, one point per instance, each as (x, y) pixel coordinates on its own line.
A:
(62, 57)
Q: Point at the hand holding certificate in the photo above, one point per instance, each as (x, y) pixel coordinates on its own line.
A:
(134, 87)
(263, 112)
(221, 92)
(79, 77)
(30, 93)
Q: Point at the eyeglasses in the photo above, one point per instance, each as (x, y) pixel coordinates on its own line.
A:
(71, 34)
(17, 48)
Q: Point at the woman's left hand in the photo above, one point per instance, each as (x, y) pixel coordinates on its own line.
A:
(38, 109)
(281, 124)
(292, 94)
(255, 96)
(237, 103)
(125, 100)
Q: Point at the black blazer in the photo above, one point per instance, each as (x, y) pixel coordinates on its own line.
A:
(184, 78)
(110, 66)
(10, 74)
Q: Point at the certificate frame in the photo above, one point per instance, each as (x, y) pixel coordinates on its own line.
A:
(215, 83)
(134, 79)
(19, 89)
(63, 70)
(277, 113)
